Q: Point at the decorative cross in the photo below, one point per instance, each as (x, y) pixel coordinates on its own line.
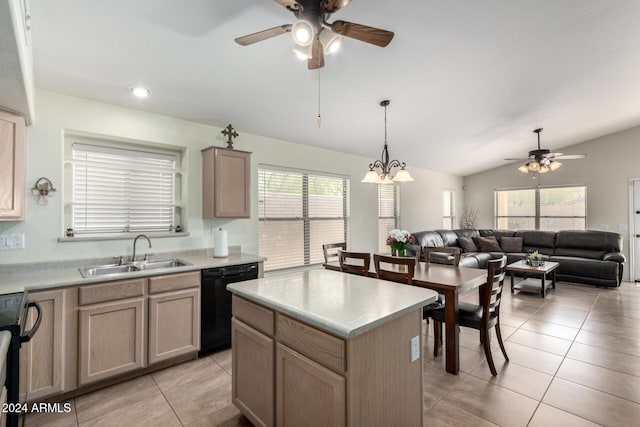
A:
(231, 133)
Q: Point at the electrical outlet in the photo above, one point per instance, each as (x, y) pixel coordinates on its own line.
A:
(415, 348)
(18, 241)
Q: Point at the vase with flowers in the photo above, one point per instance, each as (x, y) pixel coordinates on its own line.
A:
(400, 240)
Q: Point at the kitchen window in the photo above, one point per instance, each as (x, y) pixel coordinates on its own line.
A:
(544, 208)
(388, 213)
(298, 212)
(119, 189)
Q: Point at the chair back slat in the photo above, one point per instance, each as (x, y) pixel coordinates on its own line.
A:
(451, 255)
(330, 250)
(405, 276)
(496, 272)
(360, 266)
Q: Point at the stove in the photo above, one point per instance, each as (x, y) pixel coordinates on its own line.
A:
(13, 317)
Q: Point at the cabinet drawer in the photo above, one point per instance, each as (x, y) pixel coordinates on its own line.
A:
(174, 282)
(122, 289)
(323, 348)
(254, 315)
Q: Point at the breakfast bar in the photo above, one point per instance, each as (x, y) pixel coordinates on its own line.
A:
(320, 347)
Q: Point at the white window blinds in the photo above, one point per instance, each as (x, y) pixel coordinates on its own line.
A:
(121, 190)
(298, 212)
(388, 213)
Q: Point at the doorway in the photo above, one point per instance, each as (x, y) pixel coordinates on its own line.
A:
(634, 235)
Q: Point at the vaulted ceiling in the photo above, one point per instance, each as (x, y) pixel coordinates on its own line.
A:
(468, 80)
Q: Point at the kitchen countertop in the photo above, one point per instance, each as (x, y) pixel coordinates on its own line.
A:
(345, 305)
(31, 279)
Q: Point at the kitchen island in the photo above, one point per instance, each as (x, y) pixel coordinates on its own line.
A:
(320, 347)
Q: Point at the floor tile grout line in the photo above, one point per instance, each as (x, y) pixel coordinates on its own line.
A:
(167, 400)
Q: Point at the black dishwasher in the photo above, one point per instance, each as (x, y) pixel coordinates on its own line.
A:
(215, 304)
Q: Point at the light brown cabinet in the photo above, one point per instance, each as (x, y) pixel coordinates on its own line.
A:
(12, 167)
(226, 183)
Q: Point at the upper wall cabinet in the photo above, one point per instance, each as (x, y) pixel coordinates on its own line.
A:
(226, 183)
(12, 164)
(16, 59)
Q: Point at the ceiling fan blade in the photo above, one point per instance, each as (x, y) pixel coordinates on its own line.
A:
(333, 5)
(317, 55)
(263, 35)
(289, 4)
(519, 160)
(363, 33)
(570, 157)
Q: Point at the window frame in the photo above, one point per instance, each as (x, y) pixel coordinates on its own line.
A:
(452, 209)
(382, 239)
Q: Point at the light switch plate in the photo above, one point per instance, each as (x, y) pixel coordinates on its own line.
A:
(415, 348)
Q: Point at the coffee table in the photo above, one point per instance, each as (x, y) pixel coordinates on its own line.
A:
(532, 284)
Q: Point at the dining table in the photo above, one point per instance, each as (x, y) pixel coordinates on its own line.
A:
(449, 280)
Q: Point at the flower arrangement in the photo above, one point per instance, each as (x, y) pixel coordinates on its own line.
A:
(400, 240)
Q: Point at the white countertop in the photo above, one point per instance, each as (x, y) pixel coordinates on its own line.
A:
(343, 304)
(51, 277)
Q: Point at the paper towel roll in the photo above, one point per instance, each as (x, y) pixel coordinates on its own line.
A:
(220, 246)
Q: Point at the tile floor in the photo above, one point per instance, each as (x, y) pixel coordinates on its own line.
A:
(575, 361)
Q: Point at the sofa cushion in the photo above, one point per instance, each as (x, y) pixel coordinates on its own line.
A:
(498, 234)
(600, 241)
(467, 244)
(428, 238)
(487, 244)
(511, 244)
(449, 237)
(580, 253)
(467, 232)
(537, 240)
(580, 267)
(480, 258)
(469, 260)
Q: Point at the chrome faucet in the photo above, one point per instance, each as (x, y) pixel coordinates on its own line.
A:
(133, 257)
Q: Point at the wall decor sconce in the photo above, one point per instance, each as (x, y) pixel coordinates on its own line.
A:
(43, 189)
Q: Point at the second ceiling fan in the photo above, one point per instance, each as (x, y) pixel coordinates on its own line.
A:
(543, 160)
(314, 36)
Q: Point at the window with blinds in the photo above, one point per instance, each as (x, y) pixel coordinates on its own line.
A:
(448, 209)
(388, 213)
(298, 212)
(544, 208)
(119, 190)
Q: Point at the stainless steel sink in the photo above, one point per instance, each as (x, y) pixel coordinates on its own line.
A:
(104, 270)
(153, 265)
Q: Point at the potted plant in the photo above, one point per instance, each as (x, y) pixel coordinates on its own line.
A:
(400, 240)
(534, 259)
(69, 232)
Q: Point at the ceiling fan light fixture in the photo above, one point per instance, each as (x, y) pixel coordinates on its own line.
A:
(302, 52)
(302, 32)
(555, 165)
(331, 41)
(543, 169)
(524, 168)
(534, 166)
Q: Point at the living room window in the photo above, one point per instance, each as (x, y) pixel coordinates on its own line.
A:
(544, 208)
(448, 209)
(388, 213)
(118, 188)
(298, 212)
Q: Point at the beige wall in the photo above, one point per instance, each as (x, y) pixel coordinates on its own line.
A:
(421, 201)
(611, 161)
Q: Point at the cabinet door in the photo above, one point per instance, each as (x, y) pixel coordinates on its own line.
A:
(111, 339)
(12, 167)
(42, 367)
(252, 373)
(306, 393)
(226, 183)
(174, 324)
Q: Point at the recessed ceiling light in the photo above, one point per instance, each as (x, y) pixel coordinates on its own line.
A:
(139, 91)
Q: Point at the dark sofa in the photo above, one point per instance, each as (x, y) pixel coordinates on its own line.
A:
(590, 257)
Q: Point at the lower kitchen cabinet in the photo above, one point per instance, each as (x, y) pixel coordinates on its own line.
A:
(41, 359)
(253, 385)
(111, 339)
(306, 392)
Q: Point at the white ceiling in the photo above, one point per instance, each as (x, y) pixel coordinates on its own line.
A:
(468, 80)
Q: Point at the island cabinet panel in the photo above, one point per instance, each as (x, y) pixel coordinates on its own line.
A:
(112, 339)
(226, 183)
(174, 324)
(12, 167)
(42, 367)
(252, 373)
(307, 393)
(253, 315)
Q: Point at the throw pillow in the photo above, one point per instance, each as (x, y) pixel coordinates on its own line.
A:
(511, 244)
(467, 244)
(487, 244)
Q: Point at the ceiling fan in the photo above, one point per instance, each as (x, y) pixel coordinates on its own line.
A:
(543, 160)
(314, 36)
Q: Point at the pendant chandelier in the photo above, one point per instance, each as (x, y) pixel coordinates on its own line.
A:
(385, 166)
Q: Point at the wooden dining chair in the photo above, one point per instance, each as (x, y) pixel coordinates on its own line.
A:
(483, 316)
(404, 275)
(360, 267)
(330, 250)
(442, 255)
